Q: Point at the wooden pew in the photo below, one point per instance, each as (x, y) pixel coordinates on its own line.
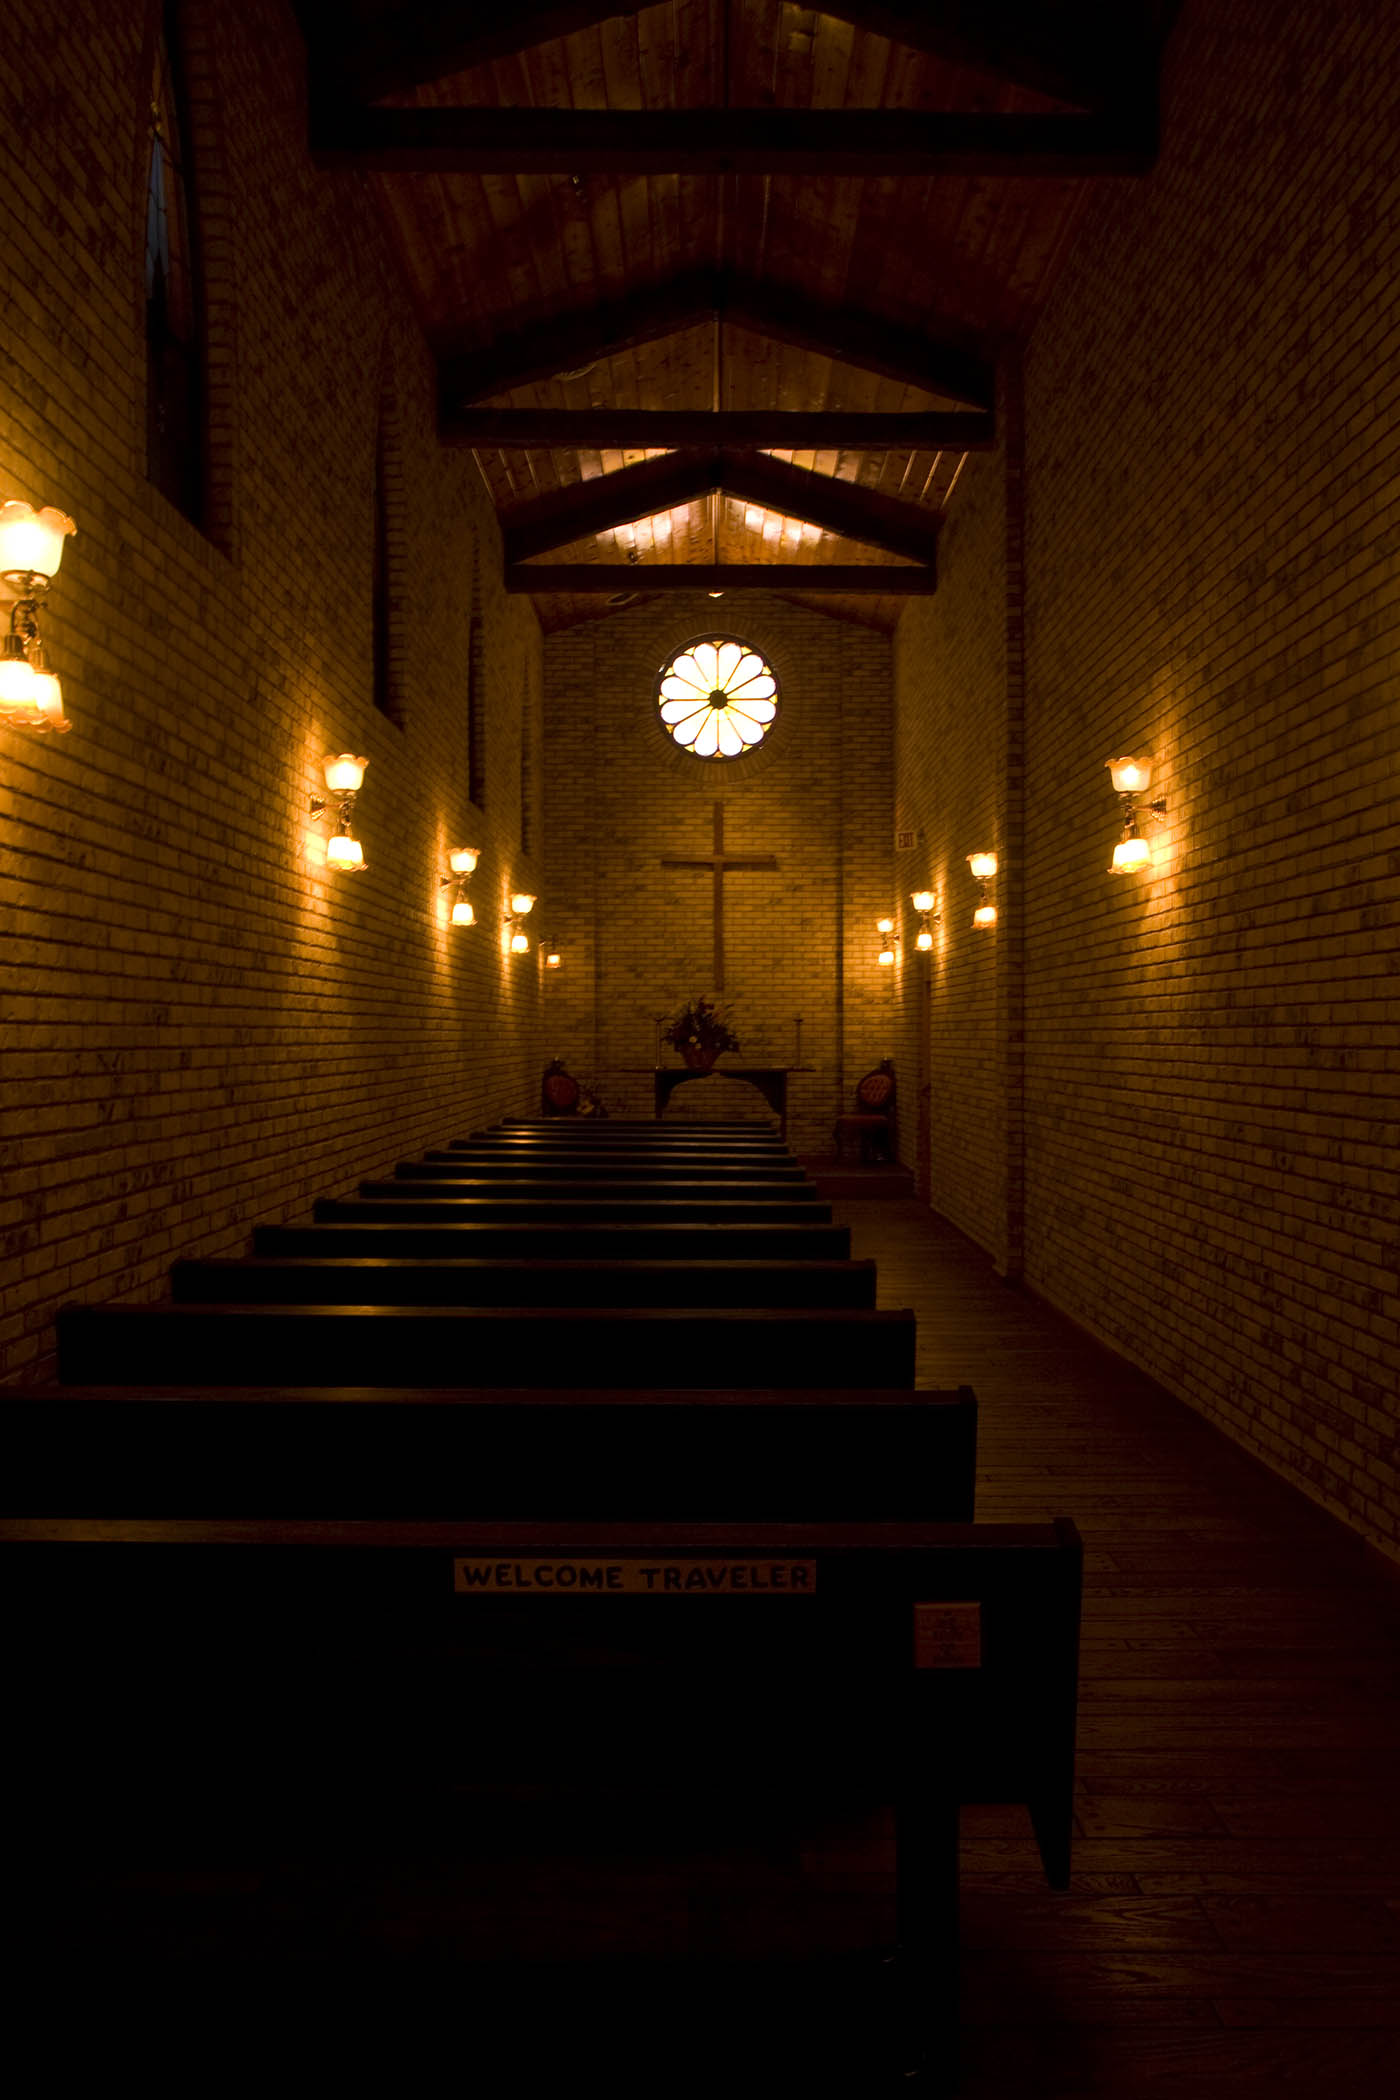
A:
(418, 1204)
(427, 1178)
(437, 1281)
(439, 1345)
(529, 1242)
(481, 1452)
(354, 1676)
(612, 1166)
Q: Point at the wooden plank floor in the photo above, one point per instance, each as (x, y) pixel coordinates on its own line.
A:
(1234, 1920)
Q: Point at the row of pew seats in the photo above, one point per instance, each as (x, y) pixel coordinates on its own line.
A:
(592, 1430)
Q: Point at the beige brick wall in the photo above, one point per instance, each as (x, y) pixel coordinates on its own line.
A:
(1212, 1086)
(636, 938)
(200, 1027)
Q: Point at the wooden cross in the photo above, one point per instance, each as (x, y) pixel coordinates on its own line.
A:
(721, 864)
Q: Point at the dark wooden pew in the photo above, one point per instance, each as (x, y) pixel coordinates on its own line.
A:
(449, 1345)
(618, 1167)
(286, 1682)
(187, 1450)
(428, 1178)
(515, 1240)
(410, 1203)
(405, 1281)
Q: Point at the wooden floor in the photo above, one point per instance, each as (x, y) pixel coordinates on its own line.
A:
(1234, 1921)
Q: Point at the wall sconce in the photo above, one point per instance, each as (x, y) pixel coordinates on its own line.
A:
(519, 940)
(462, 860)
(552, 959)
(522, 904)
(31, 549)
(344, 778)
(984, 868)
(923, 902)
(1132, 777)
(886, 956)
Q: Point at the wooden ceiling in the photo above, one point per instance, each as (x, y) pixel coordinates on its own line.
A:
(718, 287)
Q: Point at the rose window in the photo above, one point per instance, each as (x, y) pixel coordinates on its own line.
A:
(718, 698)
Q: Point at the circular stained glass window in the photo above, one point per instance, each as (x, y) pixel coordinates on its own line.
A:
(717, 698)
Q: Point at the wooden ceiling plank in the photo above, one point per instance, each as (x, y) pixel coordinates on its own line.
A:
(667, 429)
(810, 142)
(837, 506)
(568, 341)
(650, 577)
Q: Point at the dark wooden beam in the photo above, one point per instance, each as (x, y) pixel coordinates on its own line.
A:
(616, 579)
(854, 142)
(655, 485)
(611, 499)
(837, 506)
(850, 335)
(417, 41)
(635, 429)
(1085, 52)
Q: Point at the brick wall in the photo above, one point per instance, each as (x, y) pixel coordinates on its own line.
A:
(636, 938)
(1212, 1050)
(201, 1026)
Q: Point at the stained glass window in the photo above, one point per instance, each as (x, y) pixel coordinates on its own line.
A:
(173, 411)
(717, 698)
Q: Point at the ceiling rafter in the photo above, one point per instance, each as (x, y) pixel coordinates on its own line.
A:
(884, 143)
(656, 430)
(565, 342)
(1084, 52)
(617, 579)
(656, 485)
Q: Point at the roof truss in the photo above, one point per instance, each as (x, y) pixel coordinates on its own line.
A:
(656, 430)
(618, 579)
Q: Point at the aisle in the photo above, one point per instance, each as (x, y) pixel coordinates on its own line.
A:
(1234, 1923)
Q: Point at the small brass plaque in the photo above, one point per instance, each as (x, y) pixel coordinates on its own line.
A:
(947, 1636)
(635, 1578)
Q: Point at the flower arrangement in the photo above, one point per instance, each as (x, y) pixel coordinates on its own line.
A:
(700, 1031)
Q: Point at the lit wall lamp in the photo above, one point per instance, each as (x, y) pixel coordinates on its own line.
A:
(984, 868)
(344, 778)
(552, 958)
(885, 927)
(1132, 777)
(521, 906)
(31, 549)
(462, 860)
(923, 902)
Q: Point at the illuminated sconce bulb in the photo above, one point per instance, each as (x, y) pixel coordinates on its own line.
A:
(983, 866)
(522, 904)
(345, 853)
(884, 925)
(48, 698)
(1130, 776)
(922, 900)
(31, 541)
(1130, 855)
(885, 958)
(463, 859)
(19, 682)
(519, 943)
(985, 915)
(551, 961)
(462, 913)
(923, 939)
(345, 774)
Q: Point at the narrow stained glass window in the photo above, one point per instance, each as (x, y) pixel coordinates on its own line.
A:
(173, 388)
(717, 698)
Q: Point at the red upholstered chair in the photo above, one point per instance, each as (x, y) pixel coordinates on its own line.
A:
(872, 1120)
(559, 1092)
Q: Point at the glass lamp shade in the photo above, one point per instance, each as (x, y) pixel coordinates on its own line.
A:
(19, 684)
(31, 541)
(519, 943)
(48, 698)
(344, 773)
(884, 925)
(551, 961)
(983, 866)
(462, 913)
(463, 859)
(522, 904)
(1129, 855)
(924, 939)
(344, 853)
(985, 915)
(1130, 776)
(922, 900)
(885, 958)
